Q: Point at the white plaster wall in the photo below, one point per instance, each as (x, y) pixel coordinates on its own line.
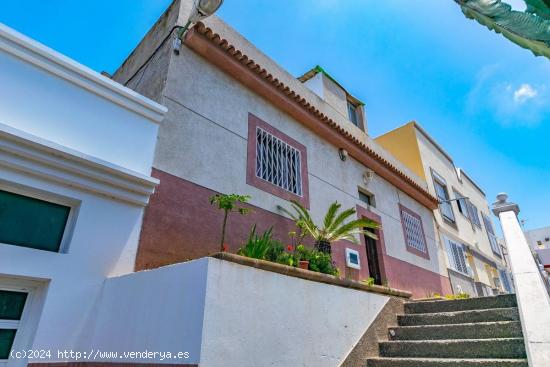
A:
(225, 314)
(68, 134)
(315, 84)
(196, 135)
(103, 230)
(258, 318)
(432, 158)
(42, 104)
(160, 310)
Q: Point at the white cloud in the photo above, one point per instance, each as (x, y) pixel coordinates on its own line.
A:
(524, 93)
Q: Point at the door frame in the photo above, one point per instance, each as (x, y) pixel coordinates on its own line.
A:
(365, 213)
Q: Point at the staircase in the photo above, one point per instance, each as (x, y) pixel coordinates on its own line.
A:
(479, 332)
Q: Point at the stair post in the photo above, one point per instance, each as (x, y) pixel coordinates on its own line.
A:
(532, 298)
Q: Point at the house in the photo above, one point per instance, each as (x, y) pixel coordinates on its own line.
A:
(465, 229)
(233, 112)
(73, 187)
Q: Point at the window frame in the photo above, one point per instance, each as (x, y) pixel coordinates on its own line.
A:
(252, 179)
(34, 193)
(371, 196)
(352, 108)
(425, 254)
(439, 180)
(27, 324)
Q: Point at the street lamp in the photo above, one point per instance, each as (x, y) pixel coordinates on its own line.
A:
(201, 9)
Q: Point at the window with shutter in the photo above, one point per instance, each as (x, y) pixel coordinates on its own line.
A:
(462, 204)
(491, 234)
(442, 194)
(473, 214)
(457, 258)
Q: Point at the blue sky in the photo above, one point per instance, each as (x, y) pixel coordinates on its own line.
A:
(486, 100)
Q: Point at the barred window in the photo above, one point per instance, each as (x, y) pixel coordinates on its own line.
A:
(457, 259)
(491, 234)
(414, 234)
(277, 162)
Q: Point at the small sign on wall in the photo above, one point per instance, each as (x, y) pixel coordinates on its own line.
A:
(352, 259)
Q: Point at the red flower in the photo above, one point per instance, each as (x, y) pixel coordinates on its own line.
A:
(224, 247)
(289, 247)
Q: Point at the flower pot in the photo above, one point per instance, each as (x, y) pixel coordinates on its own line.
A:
(303, 264)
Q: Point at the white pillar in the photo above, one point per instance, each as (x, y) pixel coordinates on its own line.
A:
(533, 299)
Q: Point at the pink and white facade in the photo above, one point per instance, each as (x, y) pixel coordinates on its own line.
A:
(226, 102)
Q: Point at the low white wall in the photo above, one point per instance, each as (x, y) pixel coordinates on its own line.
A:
(155, 311)
(257, 318)
(225, 314)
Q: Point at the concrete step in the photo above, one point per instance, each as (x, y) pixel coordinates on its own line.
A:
(459, 317)
(481, 303)
(481, 330)
(438, 362)
(471, 348)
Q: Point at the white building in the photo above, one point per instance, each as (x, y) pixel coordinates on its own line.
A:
(73, 186)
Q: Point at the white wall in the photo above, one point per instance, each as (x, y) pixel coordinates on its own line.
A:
(103, 231)
(160, 311)
(57, 104)
(71, 136)
(227, 314)
(258, 318)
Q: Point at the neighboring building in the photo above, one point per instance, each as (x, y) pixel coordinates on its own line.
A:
(538, 238)
(232, 113)
(466, 231)
(73, 187)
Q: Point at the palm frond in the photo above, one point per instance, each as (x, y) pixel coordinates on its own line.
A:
(331, 214)
(356, 226)
(341, 219)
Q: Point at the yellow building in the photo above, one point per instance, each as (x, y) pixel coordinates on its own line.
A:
(463, 222)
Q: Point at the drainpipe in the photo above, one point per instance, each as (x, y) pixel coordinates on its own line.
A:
(532, 298)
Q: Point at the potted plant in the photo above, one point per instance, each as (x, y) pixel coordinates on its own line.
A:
(336, 225)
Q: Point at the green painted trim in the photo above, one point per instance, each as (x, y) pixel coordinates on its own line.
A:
(319, 69)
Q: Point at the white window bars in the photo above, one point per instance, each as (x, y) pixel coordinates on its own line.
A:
(413, 231)
(278, 162)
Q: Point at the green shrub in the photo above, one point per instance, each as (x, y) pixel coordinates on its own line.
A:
(461, 295)
(369, 281)
(318, 261)
(274, 251)
(257, 247)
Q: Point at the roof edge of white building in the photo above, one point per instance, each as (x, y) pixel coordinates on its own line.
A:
(62, 66)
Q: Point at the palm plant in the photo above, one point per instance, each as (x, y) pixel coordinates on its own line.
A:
(336, 226)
